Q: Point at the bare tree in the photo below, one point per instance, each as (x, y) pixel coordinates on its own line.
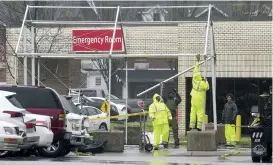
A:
(46, 39)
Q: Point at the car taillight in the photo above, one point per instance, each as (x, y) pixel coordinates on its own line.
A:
(29, 125)
(61, 116)
(61, 119)
(14, 114)
(43, 124)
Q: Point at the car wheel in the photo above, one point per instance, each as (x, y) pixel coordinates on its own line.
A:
(66, 151)
(54, 150)
(256, 159)
(103, 126)
(4, 154)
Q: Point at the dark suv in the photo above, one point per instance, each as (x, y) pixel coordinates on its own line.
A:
(45, 101)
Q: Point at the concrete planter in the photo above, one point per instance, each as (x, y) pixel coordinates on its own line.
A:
(133, 137)
(201, 140)
(220, 134)
(115, 140)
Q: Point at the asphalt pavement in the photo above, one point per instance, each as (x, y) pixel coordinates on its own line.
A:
(132, 156)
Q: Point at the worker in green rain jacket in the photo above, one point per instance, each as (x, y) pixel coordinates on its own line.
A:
(160, 115)
(199, 87)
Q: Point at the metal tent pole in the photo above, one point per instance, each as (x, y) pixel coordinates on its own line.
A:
(126, 101)
(21, 30)
(126, 84)
(178, 74)
(213, 77)
(110, 67)
(205, 52)
(25, 57)
(38, 71)
(33, 57)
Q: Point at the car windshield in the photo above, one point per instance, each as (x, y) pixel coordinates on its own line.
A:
(70, 106)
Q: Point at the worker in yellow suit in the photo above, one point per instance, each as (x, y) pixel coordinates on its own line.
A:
(160, 115)
(104, 106)
(199, 87)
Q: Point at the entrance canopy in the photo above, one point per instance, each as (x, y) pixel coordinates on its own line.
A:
(103, 36)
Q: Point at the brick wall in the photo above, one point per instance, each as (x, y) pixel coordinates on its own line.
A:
(243, 50)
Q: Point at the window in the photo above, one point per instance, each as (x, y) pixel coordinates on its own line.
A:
(91, 111)
(89, 93)
(14, 102)
(97, 111)
(85, 111)
(35, 97)
(98, 81)
(70, 106)
(98, 100)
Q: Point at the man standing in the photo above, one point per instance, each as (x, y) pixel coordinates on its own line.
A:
(160, 115)
(229, 117)
(172, 103)
(199, 87)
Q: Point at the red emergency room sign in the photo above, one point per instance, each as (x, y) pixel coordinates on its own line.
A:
(96, 40)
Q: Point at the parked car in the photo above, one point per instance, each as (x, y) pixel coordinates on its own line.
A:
(77, 123)
(93, 113)
(10, 138)
(85, 101)
(45, 101)
(89, 92)
(16, 115)
(120, 107)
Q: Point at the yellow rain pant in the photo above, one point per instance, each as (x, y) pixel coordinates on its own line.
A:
(162, 129)
(197, 111)
(230, 134)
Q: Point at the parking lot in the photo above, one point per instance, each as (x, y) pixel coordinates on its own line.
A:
(132, 156)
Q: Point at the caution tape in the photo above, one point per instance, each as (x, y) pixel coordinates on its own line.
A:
(118, 116)
(232, 153)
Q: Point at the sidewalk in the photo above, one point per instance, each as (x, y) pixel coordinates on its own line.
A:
(182, 151)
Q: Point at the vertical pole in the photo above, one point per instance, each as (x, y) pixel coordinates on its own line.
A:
(205, 52)
(33, 57)
(17, 46)
(161, 89)
(21, 30)
(25, 57)
(38, 70)
(15, 69)
(126, 101)
(110, 68)
(213, 76)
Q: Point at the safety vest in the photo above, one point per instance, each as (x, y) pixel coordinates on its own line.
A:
(196, 85)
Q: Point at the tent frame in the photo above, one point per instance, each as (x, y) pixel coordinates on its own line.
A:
(111, 55)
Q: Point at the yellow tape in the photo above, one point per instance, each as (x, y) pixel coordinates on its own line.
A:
(118, 116)
(224, 156)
